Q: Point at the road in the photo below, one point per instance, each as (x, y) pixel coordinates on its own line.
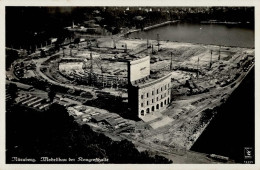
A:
(38, 67)
(176, 155)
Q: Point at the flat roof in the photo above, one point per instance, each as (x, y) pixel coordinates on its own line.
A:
(20, 85)
(151, 81)
(111, 121)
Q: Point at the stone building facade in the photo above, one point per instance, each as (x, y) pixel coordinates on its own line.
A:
(147, 95)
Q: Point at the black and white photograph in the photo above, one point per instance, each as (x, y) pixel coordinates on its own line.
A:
(129, 85)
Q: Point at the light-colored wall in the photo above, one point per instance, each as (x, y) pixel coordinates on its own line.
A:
(139, 68)
(164, 94)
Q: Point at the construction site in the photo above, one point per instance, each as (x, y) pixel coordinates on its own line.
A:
(160, 84)
(158, 94)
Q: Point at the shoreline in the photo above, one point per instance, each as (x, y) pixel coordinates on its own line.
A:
(193, 43)
(148, 27)
(175, 21)
(223, 22)
(160, 24)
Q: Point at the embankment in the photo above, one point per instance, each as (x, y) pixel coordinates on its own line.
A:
(233, 127)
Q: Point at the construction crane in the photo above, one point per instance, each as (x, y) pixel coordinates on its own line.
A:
(147, 44)
(125, 48)
(71, 52)
(91, 69)
(88, 68)
(114, 44)
(63, 51)
(171, 62)
(210, 63)
(158, 41)
(198, 67)
(219, 53)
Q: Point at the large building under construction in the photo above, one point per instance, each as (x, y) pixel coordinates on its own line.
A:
(146, 94)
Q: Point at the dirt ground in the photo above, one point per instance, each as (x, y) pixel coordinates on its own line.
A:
(206, 68)
(184, 120)
(203, 76)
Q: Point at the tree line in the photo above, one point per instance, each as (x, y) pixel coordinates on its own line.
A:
(28, 26)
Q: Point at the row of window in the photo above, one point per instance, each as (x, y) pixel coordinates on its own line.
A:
(158, 106)
(157, 99)
(157, 91)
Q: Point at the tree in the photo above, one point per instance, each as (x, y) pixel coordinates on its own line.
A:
(12, 90)
(43, 54)
(52, 93)
(58, 43)
(11, 56)
(76, 41)
(56, 134)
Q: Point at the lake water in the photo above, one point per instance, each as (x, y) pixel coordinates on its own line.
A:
(218, 34)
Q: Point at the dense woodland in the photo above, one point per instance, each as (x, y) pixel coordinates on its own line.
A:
(28, 26)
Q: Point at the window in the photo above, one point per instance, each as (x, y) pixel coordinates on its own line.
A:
(147, 102)
(157, 91)
(165, 87)
(157, 106)
(152, 93)
(161, 88)
(157, 98)
(152, 108)
(161, 104)
(161, 96)
(147, 94)
(142, 96)
(147, 110)
(152, 100)
(142, 112)
(142, 105)
(165, 102)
